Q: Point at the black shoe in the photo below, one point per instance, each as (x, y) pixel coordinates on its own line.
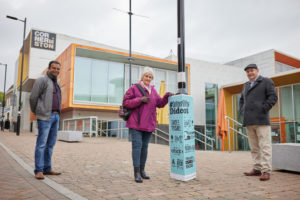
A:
(143, 173)
(137, 175)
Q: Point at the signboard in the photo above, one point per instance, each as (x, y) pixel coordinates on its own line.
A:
(182, 137)
(43, 40)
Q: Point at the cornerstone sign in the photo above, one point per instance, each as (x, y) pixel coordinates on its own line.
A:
(43, 40)
(182, 137)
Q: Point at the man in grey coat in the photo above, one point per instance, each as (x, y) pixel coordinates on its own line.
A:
(45, 103)
(257, 98)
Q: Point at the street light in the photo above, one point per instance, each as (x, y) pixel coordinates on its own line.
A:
(181, 48)
(2, 123)
(130, 59)
(21, 78)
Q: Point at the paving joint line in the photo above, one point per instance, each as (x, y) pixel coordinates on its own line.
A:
(57, 187)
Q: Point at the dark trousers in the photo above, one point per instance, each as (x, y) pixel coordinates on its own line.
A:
(140, 141)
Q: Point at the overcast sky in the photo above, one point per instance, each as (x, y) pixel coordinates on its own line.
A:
(216, 30)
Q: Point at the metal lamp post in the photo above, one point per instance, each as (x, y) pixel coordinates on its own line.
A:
(21, 78)
(5, 65)
(180, 48)
(130, 56)
(130, 13)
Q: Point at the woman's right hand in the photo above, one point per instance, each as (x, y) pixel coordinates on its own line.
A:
(145, 99)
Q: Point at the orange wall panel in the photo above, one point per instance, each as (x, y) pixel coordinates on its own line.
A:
(279, 57)
(64, 76)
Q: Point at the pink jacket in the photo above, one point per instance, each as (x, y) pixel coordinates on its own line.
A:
(132, 100)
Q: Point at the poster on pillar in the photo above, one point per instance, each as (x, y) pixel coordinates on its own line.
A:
(182, 137)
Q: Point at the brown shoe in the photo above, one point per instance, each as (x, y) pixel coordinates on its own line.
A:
(52, 173)
(265, 176)
(39, 175)
(254, 172)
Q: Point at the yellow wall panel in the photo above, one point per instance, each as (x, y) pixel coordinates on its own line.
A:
(26, 61)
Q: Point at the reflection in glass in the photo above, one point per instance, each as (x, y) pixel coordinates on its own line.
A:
(275, 132)
(135, 75)
(240, 142)
(116, 82)
(286, 103)
(290, 132)
(82, 80)
(211, 90)
(296, 90)
(298, 132)
(172, 82)
(99, 80)
(160, 75)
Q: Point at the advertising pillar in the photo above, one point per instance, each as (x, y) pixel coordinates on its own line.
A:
(181, 116)
(182, 137)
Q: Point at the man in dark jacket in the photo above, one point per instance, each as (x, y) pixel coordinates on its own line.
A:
(45, 103)
(257, 98)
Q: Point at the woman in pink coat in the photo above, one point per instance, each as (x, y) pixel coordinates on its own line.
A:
(142, 121)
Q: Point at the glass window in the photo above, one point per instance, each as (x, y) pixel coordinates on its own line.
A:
(297, 101)
(172, 82)
(82, 80)
(290, 132)
(159, 75)
(135, 75)
(298, 132)
(116, 82)
(170, 77)
(286, 103)
(211, 109)
(274, 112)
(99, 81)
(275, 132)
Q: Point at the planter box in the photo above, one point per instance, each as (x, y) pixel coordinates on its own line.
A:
(286, 156)
(69, 136)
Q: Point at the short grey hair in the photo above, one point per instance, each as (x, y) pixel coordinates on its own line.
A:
(147, 70)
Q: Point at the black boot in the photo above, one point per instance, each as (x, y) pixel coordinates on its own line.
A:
(137, 175)
(143, 173)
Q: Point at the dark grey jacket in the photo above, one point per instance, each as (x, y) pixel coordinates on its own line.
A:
(256, 101)
(41, 98)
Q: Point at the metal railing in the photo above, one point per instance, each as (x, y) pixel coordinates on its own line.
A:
(92, 126)
(235, 131)
(205, 143)
(112, 128)
(159, 136)
(197, 139)
(87, 125)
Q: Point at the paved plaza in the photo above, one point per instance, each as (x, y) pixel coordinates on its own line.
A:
(101, 168)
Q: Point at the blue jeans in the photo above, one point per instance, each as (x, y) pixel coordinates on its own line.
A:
(140, 141)
(47, 134)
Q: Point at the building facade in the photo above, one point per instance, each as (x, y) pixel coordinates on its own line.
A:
(94, 78)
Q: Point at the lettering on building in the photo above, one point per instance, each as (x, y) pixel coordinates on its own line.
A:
(43, 40)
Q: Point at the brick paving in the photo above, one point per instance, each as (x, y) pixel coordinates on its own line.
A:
(101, 168)
(16, 183)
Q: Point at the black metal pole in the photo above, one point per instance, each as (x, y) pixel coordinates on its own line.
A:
(3, 104)
(180, 48)
(130, 58)
(21, 82)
